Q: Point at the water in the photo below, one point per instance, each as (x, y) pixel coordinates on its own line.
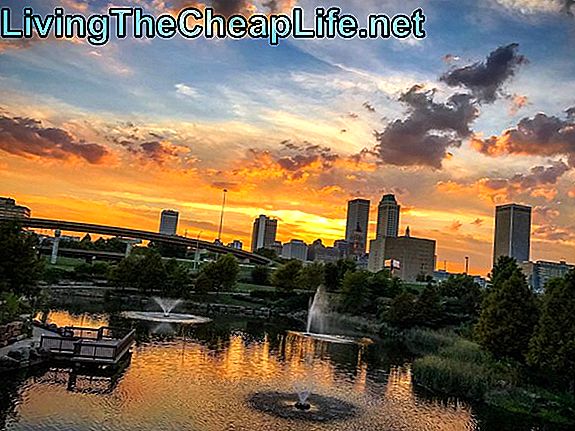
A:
(166, 304)
(201, 378)
(317, 311)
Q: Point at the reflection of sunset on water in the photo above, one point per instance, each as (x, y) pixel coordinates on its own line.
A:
(196, 383)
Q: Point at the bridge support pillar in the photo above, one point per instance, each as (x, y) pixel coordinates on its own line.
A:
(55, 246)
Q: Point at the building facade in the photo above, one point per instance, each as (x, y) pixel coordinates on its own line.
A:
(388, 217)
(236, 244)
(512, 232)
(295, 249)
(357, 225)
(412, 257)
(169, 222)
(264, 232)
(9, 209)
(540, 272)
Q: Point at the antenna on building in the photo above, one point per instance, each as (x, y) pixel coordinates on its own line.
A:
(466, 265)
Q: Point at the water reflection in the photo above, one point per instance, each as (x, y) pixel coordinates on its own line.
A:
(199, 378)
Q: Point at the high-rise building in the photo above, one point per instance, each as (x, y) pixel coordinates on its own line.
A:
(295, 249)
(264, 232)
(169, 222)
(512, 232)
(9, 209)
(540, 272)
(387, 217)
(411, 257)
(357, 226)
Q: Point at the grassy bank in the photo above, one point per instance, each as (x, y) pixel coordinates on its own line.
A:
(454, 366)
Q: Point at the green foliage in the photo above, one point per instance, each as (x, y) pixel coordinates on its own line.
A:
(401, 313)
(169, 250)
(266, 252)
(382, 284)
(9, 307)
(355, 291)
(465, 293)
(221, 274)
(86, 271)
(552, 348)
(335, 272)
(20, 266)
(261, 275)
(311, 276)
(286, 276)
(509, 313)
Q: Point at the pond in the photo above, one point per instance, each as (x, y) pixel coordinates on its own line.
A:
(225, 375)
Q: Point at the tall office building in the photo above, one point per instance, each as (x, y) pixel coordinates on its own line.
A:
(169, 222)
(388, 217)
(295, 249)
(512, 232)
(264, 233)
(357, 226)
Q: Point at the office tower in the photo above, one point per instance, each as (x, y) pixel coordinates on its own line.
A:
(357, 225)
(540, 272)
(264, 233)
(169, 222)
(9, 209)
(295, 249)
(411, 257)
(512, 232)
(387, 217)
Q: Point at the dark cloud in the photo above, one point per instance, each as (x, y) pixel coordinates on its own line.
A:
(554, 233)
(368, 106)
(277, 6)
(541, 135)
(28, 137)
(485, 79)
(299, 157)
(157, 151)
(230, 7)
(430, 129)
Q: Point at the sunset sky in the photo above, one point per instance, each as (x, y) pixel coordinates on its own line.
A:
(481, 112)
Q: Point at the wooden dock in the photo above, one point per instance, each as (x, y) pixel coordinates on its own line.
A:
(103, 346)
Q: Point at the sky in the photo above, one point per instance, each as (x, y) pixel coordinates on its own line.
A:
(479, 113)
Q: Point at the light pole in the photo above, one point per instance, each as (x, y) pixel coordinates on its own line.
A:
(197, 254)
(222, 216)
(466, 265)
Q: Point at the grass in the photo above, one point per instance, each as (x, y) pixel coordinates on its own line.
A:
(455, 366)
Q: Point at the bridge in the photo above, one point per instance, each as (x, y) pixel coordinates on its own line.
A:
(192, 243)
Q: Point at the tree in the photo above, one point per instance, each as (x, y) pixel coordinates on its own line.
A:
(143, 269)
(266, 252)
(503, 269)
(177, 279)
(401, 313)
(509, 313)
(334, 273)
(223, 273)
(383, 284)
(465, 291)
(428, 310)
(355, 291)
(20, 266)
(552, 347)
(285, 277)
(261, 275)
(311, 276)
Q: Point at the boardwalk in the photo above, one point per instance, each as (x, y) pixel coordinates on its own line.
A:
(88, 345)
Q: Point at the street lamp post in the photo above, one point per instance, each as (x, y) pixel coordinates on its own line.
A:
(222, 216)
(197, 254)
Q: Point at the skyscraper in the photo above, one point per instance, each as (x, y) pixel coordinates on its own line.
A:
(512, 232)
(264, 232)
(169, 222)
(387, 217)
(357, 225)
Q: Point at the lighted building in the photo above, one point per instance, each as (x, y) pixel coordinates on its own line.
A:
(512, 232)
(357, 226)
(264, 233)
(295, 249)
(169, 222)
(540, 272)
(388, 217)
(9, 209)
(414, 256)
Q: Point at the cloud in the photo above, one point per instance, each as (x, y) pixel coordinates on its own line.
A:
(554, 233)
(277, 6)
(541, 182)
(186, 91)
(28, 137)
(368, 106)
(230, 7)
(485, 79)
(455, 226)
(478, 222)
(430, 129)
(541, 135)
(532, 7)
(517, 102)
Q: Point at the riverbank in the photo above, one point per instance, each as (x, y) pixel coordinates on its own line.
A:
(450, 365)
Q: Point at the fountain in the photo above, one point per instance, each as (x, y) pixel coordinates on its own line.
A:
(316, 320)
(166, 315)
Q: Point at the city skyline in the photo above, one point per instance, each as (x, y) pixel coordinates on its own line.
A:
(326, 123)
